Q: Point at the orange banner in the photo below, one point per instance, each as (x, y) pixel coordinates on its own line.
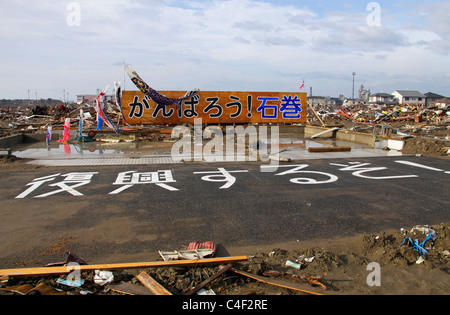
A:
(217, 108)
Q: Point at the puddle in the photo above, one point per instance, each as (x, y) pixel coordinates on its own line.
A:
(93, 150)
(290, 146)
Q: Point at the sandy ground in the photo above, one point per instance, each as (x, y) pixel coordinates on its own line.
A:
(345, 264)
(360, 265)
(372, 264)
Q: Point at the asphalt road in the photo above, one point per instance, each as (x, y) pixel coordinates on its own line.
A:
(128, 213)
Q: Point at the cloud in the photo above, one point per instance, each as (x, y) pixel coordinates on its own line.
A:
(254, 26)
(283, 41)
(218, 44)
(341, 33)
(438, 22)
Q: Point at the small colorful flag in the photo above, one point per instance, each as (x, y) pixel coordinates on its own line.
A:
(66, 132)
(49, 134)
(303, 85)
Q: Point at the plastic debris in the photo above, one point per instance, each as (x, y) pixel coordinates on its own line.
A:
(419, 247)
(70, 283)
(293, 264)
(420, 260)
(194, 250)
(102, 277)
(70, 258)
(302, 258)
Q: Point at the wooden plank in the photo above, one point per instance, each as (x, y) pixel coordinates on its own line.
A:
(152, 284)
(330, 149)
(129, 289)
(209, 280)
(26, 289)
(43, 271)
(19, 289)
(45, 289)
(314, 111)
(278, 283)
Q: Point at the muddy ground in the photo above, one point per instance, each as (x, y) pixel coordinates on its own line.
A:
(428, 146)
(330, 267)
(338, 266)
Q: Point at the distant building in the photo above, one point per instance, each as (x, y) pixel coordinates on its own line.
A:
(432, 98)
(409, 97)
(364, 94)
(91, 99)
(319, 101)
(381, 99)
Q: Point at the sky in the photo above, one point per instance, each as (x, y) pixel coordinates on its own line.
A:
(59, 49)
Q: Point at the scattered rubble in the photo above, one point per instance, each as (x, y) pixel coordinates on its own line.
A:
(426, 130)
(7, 158)
(405, 120)
(422, 145)
(320, 269)
(336, 267)
(25, 119)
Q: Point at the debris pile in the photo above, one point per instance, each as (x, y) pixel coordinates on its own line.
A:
(28, 119)
(313, 270)
(407, 119)
(423, 145)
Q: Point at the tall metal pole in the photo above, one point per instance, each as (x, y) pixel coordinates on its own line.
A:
(353, 93)
(123, 68)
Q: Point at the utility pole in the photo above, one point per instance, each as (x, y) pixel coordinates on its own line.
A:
(123, 68)
(353, 93)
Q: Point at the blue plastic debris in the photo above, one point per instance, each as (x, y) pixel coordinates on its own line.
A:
(415, 244)
(70, 283)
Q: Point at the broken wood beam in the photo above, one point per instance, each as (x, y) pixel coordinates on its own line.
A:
(209, 280)
(152, 284)
(129, 289)
(43, 271)
(278, 283)
(314, 111)
(330, 149)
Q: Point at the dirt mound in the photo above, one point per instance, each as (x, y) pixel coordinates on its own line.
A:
(421, 145)
(343, 268)
(5, 159)
(340, 268)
